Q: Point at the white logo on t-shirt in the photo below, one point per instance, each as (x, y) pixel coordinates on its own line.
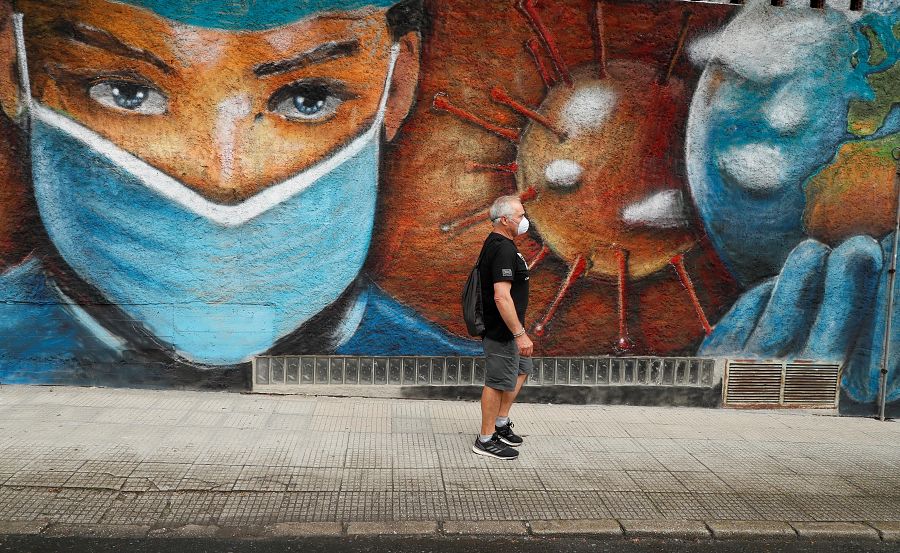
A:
(507, 272)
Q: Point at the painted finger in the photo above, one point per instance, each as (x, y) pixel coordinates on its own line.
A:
(786, 321)
(851, 283)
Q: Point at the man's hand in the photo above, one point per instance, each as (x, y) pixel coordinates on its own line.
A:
(526, 347)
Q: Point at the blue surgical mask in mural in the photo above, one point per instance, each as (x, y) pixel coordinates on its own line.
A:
(220, 283)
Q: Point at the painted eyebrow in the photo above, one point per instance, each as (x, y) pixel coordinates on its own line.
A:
(323, 52)
(99, 38)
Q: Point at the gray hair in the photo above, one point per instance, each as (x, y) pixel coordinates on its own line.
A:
(503, 207)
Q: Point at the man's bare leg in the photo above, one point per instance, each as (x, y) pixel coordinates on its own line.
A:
(508, 398)
(490, 406)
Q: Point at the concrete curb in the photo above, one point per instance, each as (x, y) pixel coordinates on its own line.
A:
(748, 529)
(401, 528)
(605, 527)
(504, 527)
(813, 530)
(304, 529)
(97, 530)
(685, 529)
(888, 531)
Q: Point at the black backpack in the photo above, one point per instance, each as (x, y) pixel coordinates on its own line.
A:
(472, 308)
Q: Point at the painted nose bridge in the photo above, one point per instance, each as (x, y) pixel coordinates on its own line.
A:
(232, 122)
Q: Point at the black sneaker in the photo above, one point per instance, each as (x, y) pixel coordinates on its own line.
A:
(506, 435)
(494, 448)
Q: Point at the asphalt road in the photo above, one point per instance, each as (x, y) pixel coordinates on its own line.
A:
(39, 544)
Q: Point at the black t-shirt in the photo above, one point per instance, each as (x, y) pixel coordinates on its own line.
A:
(501, 261)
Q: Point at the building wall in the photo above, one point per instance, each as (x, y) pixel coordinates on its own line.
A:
(195, 183)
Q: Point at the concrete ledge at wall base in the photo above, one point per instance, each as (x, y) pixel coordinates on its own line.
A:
(685, 529)
(817, 530)
(675, 396)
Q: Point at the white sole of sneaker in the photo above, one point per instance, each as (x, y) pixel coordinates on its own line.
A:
(491, 455)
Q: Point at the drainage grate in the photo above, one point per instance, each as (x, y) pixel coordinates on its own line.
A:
(777, 383)
(275, 373)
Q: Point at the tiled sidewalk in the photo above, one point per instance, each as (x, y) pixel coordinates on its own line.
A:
(166, 458)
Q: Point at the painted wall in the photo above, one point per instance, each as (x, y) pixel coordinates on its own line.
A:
(189, 184)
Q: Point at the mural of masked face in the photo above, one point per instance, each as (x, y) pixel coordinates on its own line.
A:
(215, 178)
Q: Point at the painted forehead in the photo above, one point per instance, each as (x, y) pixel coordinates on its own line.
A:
(248, 15)
(148, 33)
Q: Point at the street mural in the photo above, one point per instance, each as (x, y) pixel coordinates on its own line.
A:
(189, 184)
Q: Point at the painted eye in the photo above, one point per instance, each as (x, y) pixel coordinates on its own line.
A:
(129, 96)
(309, 100)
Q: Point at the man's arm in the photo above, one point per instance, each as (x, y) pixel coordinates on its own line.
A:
(507, 310)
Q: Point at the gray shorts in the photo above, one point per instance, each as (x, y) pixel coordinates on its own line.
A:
(504, 364)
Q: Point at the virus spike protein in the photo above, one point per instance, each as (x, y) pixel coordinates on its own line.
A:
(679, 46)
(534, 48)
(534, 19)
(678, 264)
(442, 103)
(625, 342)
(500, 96)
(536, 260)
(599, 40)
(578, 268)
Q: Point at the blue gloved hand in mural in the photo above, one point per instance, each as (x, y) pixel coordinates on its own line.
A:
(819, 307)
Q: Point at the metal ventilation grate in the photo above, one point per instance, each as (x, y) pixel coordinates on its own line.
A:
(776, 383)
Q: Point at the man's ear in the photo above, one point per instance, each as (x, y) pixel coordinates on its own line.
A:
(9, 83)
(403, 84)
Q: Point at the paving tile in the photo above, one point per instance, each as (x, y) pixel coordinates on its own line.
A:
(415, 481)
(165, 508)
(585, 479)
(365, 506)
(251, 508)
(679, 506)
(630, 505)
(309, 507)
(703, 482)
(421, 506)
(510, 479)
(657, 481)
(776, 506)
(579, 505)
(255, 478)
(220, 478)
(306, 479)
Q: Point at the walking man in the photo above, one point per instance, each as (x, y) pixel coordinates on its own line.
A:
(507, 347)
